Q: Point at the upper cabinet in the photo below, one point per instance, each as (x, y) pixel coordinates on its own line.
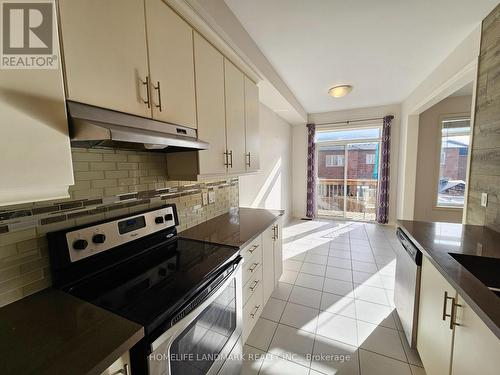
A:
(105, 54)
(171, 64)
(148, 61)
(35, 162)
(210, 106)
(235, 117)
(252, 144)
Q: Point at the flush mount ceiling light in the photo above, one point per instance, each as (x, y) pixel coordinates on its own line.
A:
(339, 90)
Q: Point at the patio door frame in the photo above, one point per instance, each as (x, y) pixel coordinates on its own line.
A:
(345, 143)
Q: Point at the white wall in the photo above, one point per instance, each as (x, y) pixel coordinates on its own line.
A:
(428, 159)
(458, 69)
(271, 186)
(300, 151)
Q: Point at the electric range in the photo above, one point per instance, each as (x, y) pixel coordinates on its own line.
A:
(186, 294)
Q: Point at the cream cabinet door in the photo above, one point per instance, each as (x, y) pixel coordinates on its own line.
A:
(171, 64)
(252, 126)
(278, 250)
(434, 336)
(209, 65)
(235, 117)
(268, 262)
(105, 53)
(120, 367)
(475, 349)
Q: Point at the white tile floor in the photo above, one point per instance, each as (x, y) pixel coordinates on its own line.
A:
(333, 312)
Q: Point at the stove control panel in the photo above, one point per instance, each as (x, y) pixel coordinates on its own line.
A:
(86, 242)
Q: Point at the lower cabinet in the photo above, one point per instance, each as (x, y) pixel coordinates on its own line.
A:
(262, 267)
(451, 338)
(475, 348)
(120, 367)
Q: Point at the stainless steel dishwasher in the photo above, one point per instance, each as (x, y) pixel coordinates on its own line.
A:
(407, 288)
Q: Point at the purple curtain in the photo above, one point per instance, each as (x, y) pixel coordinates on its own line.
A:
(311, 171)
(383, 190)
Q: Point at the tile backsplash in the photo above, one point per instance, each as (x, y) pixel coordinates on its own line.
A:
(108, 183)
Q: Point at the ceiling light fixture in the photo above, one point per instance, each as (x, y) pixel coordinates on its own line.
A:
(339, 90)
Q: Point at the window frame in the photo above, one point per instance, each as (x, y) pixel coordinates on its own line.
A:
(442, 119)
(335, 157)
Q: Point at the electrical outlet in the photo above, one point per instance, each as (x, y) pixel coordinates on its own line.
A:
(204, 199)
(211, 197)
(484, 199)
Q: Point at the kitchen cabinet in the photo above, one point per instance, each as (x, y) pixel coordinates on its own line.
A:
(272, 243)
(252, 162)
(434, 336)
(209, 65)
(449, 331)
(234, 83)
(253, 287)
(278, 250)
(120, 366)
(105, 54)
(35, 163)
(475, 347)
(171, 65)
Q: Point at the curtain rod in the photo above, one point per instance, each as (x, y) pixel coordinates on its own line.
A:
(349, 121)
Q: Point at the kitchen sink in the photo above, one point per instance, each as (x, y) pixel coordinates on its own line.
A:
(487, 270)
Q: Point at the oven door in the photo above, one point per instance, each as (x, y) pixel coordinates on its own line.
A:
(201, 341)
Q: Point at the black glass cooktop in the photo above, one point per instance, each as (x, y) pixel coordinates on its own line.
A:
(150, 287)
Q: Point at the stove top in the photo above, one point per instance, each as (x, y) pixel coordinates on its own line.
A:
(147, 278)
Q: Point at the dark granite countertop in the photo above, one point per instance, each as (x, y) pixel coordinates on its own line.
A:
(51, 332)
(436, 240)
(236, 228)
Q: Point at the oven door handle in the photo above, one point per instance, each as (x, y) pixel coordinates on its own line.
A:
(172, 333)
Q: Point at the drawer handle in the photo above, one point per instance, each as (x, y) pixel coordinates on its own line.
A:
(255, 312)
(253, 267)
(254, 247)
(255, 283)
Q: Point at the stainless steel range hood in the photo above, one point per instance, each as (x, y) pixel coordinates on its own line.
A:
(97, 127)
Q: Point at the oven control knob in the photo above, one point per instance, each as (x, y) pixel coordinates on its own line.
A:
(159, 220)
(80, 244)
(98, 238)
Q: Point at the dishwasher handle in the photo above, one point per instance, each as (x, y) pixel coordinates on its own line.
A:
(413, 252)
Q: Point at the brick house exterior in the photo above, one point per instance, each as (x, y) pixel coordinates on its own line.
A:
(357, 167)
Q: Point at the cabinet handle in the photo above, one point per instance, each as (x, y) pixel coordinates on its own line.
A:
(125, 370)
(249, 159)
(146, 83)
(158, 89)
(255, 283)
(255, 312)
(226, 162)
(254, 247)
(445, 305)
(231, 158)
(253, 267)
(453, 317)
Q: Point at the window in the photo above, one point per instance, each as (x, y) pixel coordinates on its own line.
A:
(351, 134)
(455, 138)
(370, 159)
(334, 160)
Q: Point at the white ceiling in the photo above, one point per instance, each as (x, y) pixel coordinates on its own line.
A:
(384, 48)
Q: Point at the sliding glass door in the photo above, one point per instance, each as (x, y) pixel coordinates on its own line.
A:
(348, 173)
